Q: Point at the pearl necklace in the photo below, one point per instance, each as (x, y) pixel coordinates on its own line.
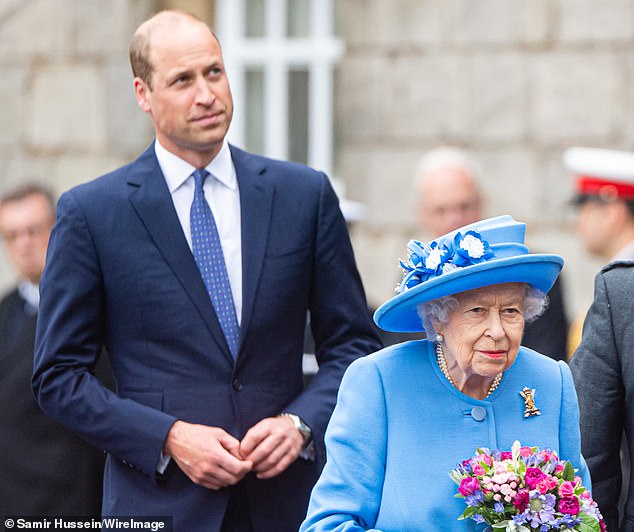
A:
(442, 364)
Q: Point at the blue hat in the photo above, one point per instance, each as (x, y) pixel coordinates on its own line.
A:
(481, 254)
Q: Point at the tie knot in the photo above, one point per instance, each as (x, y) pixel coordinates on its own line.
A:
(200, 175)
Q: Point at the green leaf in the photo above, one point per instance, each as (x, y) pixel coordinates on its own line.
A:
(569, 471)
(588, 523)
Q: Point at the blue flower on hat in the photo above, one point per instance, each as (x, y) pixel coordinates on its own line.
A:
(443, 256)
(425, 261)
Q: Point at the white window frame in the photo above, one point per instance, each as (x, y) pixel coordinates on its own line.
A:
(276, 54)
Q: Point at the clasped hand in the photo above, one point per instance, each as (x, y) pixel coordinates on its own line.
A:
(213, 458)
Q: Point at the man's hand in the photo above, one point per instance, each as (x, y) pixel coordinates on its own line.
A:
(209, 456)
(271, 445)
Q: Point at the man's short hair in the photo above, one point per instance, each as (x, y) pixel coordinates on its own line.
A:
(28, 189)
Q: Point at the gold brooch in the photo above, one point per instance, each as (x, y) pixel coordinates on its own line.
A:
(529, 402)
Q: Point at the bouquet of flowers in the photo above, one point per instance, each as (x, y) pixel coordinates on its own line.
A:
(525, 490)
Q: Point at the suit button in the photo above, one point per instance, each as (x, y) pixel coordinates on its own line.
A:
(236, 385)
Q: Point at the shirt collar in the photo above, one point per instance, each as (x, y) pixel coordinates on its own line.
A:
(30, 293)
(177, 170)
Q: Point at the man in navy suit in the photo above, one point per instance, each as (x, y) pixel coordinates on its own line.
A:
(210, 427)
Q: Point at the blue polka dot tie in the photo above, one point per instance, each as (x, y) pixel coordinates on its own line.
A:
(211, 262)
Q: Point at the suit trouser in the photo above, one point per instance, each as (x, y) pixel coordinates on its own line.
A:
(237, 517)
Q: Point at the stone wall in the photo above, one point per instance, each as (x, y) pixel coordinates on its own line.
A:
(68, 112)
(514, 82)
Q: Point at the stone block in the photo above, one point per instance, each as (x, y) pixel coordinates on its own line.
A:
(510, 182)
(495, 22)
(576, 97)
(591, 21)
(428, 97)
(129, 129)
(35, 27)
(500, 96)
(107, 27)
(360, 96)
(66, 107)
(382, 179)
(71, 170)
(12, 84)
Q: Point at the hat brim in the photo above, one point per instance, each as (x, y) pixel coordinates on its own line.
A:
(400, 314)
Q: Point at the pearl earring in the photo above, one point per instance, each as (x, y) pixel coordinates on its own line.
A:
(439, 338)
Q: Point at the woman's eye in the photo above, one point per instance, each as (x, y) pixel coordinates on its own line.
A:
(512, 311)
(477, 310)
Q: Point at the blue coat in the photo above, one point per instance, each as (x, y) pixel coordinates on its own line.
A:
(399, 427)
(120, 273)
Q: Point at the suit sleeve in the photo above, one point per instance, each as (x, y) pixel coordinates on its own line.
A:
(347, 496)
(69, 339)
(596, 369)
(340, 318)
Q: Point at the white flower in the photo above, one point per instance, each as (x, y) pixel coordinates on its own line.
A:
(448, 267)
(434, 258)
(473, 246)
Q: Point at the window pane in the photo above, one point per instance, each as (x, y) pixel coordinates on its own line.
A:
(255, 18)
(254, 119)
(297, 23)
(298, 115)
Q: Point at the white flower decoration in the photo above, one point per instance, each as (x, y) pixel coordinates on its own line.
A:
(473, 246)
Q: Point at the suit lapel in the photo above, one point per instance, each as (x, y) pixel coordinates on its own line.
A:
(256, 200)
(151, 199)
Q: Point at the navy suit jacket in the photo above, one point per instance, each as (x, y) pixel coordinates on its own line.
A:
(119, 273)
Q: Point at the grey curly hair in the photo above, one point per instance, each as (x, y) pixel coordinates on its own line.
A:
(535, 303)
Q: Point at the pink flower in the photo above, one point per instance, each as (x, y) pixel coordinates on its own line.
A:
(521, 500)
(559, 468)
(569, 505)
(468, 486)
(567, 489)
(486, 459)
(526, 451)
(478, 470)
(546, 484)
(506, 455)
(533, 476)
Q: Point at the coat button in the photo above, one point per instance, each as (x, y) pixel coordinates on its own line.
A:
(478, 413)
(236, 385)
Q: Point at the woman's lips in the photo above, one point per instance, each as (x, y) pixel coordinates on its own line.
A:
(494, 354)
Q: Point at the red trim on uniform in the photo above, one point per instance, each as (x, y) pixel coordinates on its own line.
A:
(607, 189)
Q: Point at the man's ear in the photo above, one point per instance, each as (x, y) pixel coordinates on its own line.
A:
(143, 94)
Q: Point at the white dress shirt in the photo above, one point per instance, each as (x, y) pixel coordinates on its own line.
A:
(222, 195)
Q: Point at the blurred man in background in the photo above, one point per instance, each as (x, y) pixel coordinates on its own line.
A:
(46, 469)
(450, 196)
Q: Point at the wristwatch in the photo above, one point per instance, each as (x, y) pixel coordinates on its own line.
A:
(303, 429)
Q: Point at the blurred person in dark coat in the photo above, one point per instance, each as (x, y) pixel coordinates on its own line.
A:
(46, 469)
(449, 196)
(602, 363)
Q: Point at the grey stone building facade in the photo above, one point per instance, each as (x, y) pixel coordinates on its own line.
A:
(512, 81)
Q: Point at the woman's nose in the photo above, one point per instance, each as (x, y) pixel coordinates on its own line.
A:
(494, 326)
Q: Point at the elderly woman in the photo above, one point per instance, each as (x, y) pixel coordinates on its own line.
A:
(406, 415)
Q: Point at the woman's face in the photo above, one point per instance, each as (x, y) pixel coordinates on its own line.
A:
(482, 335)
